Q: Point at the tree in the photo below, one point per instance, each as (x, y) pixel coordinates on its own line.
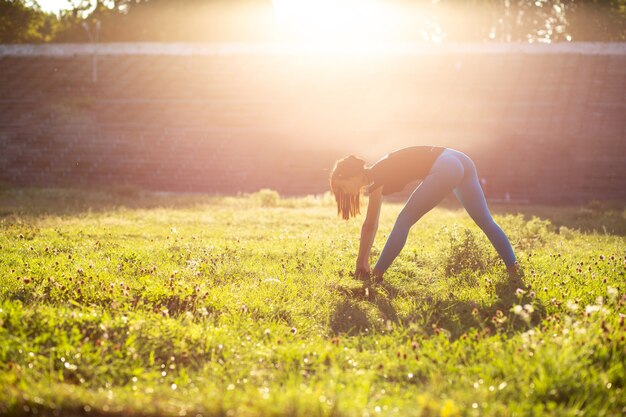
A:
(250, 20)
(598, 20)
(23, 23)
(531, 20)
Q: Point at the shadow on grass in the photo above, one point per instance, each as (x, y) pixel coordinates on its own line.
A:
(349, 318)
(451, 314)
(76, 201)
(598, 217)
(604, 217)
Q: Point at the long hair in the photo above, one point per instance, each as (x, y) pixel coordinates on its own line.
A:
(348, 205)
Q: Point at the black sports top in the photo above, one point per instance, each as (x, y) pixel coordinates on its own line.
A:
(397, 169)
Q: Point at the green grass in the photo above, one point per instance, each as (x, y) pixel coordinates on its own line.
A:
(121, 302)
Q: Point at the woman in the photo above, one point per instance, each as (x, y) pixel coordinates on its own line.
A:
(443, 170)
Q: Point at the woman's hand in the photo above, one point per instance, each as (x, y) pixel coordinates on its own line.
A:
(362, 269)
(368, 232)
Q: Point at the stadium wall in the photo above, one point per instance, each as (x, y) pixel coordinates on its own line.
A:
(544, 123)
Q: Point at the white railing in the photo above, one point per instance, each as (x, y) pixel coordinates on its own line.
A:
(182, 49)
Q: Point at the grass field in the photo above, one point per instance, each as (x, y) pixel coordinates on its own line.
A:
(126, 303)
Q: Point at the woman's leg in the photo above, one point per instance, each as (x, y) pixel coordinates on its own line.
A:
(471, 195)
(445, 175)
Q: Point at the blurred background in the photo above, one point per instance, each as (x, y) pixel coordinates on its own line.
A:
(321, 20)
(234, 96)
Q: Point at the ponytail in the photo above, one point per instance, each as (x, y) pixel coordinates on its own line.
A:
(348, 205)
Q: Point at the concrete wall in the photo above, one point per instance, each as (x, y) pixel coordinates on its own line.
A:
(545, 123)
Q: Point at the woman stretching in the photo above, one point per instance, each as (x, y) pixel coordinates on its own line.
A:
(443, 170)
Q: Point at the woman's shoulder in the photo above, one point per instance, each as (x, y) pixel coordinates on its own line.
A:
(425, 149)
(407, 152)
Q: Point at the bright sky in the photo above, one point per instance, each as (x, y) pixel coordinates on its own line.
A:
(325, 21)
(54, 5)
(334, 20)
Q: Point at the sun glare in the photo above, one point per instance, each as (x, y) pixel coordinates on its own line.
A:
(333, 21)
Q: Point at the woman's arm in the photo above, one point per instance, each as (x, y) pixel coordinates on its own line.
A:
(368, 231)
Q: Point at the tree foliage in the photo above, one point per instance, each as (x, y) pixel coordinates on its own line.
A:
(23, 23)
(246, 20)
(559, 20)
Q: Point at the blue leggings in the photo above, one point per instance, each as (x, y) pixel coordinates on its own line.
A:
(452, 171)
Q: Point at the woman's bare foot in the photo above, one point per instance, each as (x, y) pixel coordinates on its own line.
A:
(377, 276)
(516, 275)
(514, 271)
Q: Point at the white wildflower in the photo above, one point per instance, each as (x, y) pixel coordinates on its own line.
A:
(571, 306)
(612, 293)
